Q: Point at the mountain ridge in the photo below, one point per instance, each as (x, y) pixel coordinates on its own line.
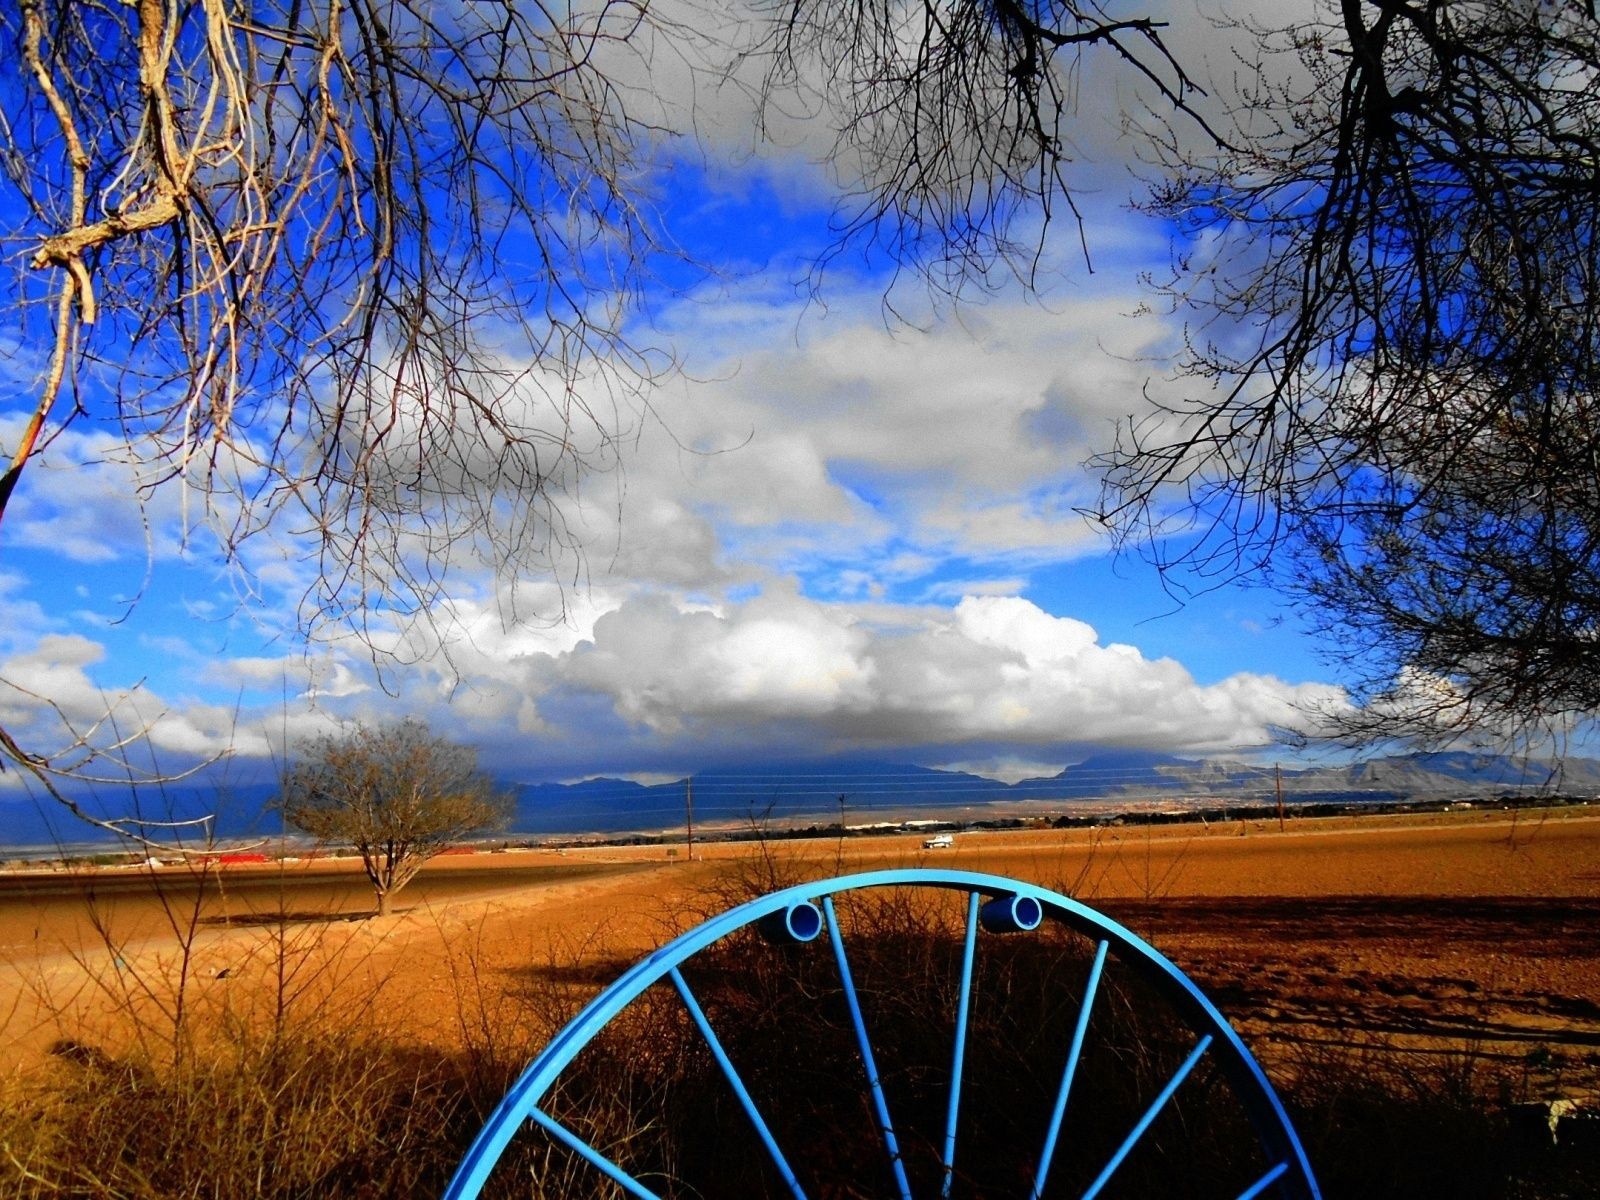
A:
(863, 791)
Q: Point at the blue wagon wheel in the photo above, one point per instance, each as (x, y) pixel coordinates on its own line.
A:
(905, 1060)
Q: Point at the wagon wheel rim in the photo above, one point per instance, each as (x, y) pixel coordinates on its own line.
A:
(806, 912)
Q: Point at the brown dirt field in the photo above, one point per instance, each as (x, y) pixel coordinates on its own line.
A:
(1463, 931)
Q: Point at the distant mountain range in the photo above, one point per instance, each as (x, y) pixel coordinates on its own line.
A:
(864, 791)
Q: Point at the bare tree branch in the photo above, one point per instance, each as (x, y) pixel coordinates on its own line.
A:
(953, 120)
(333, 243)
(137, 830)
(1395, 349)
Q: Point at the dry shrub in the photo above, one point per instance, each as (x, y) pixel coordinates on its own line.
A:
(192, 1079)
(1381, 1120)
(305, 1114)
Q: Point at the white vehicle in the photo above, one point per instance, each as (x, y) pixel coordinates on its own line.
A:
(940, 841)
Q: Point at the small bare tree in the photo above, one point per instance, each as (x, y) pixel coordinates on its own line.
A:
(396, 793)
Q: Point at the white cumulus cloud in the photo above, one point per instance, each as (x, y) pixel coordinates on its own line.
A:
(993, 670)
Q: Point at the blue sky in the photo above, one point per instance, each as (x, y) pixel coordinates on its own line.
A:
(832, 532)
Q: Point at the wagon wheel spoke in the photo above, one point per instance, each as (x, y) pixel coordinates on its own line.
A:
(880, 1104)
(1138, 1131)
(958, 1052)
(1074, 1053)
(749, 1105)
(584, 1150)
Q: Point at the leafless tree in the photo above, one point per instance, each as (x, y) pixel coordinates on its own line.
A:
(396, 793)
(1390, 271)
(363, 271)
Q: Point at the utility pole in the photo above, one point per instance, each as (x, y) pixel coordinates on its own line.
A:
(688, 812)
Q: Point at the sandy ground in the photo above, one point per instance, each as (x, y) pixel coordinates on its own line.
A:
(1469, 930)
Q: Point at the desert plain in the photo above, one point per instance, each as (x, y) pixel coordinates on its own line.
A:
(1474, 931)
